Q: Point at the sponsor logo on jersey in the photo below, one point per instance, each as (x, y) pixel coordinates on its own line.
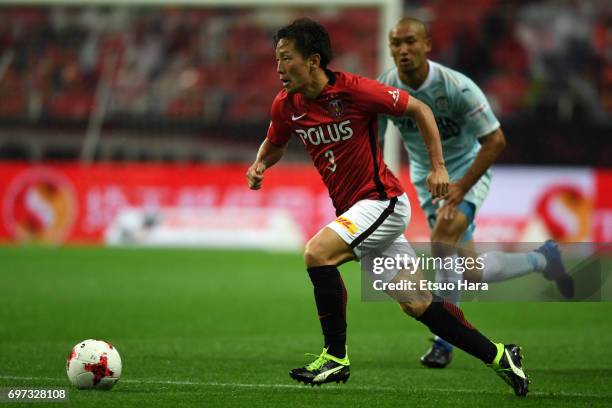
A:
(327, 133)
(479, 109)
(448, 128)
(336, 108)
(347, 224)
(296, 117)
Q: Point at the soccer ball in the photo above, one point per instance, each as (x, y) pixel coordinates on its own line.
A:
(93, 364)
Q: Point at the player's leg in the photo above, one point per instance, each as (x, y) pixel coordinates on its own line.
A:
(322, 255)
(447, 320)
(442, 318)
(500, 266)
(327, 247)
(335, 244)
(445, 235)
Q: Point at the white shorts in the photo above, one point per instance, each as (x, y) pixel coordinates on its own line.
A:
(375, 228)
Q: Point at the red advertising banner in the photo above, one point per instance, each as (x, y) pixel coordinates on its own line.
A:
(75, 203)
(57, 203)
(603, 207)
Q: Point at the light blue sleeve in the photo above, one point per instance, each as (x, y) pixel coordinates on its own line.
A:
(472, 105)
(383, 120)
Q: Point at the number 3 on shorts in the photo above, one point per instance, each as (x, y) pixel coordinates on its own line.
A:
(330, 156)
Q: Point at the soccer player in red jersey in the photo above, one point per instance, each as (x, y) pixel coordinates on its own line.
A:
(335, 115)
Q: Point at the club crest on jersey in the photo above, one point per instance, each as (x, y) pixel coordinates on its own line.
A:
(336, 108)
(442, 103)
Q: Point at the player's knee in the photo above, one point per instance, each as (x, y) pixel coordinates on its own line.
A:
(414, 309)
(417, 306)
(315, 254)
(407, 308)
(447, 231)
(473, 275)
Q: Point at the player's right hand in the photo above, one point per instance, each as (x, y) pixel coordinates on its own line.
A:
(437, 182)
(255, 175)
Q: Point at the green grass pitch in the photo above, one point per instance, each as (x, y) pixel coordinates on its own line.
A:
(223, 328)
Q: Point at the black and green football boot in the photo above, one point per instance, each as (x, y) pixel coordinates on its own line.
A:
(326, 368)
(507, 365)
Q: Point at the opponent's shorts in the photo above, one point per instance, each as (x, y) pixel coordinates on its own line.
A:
(469, 206)
(375, 228)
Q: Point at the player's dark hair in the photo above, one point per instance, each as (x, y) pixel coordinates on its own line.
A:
(309, 38)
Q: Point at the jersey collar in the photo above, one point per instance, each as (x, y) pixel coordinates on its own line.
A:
(329, 87)
(430, 77)
(331, 76)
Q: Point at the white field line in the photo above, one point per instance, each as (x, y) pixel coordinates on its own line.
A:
(302, 387)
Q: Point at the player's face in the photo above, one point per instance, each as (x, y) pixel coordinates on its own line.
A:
(293, 68)
(409, 47)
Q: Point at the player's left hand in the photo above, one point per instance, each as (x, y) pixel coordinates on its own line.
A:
(437, 182)
(454, 197)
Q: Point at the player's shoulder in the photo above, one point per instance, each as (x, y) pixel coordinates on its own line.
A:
(448, 75)
(388, 77)
(282, 102)
(348, 81)
(281, 98)
(451, 79)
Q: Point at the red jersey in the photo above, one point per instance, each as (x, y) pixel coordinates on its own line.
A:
(340, 131)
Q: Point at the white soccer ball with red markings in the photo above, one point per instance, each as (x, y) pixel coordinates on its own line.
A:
(94, 364)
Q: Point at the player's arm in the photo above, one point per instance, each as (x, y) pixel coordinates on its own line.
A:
(437, 180)
(273, 147)
(480, 120)
(492, 145)
(268, 155)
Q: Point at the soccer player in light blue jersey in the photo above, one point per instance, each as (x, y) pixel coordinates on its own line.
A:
(471, 140)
